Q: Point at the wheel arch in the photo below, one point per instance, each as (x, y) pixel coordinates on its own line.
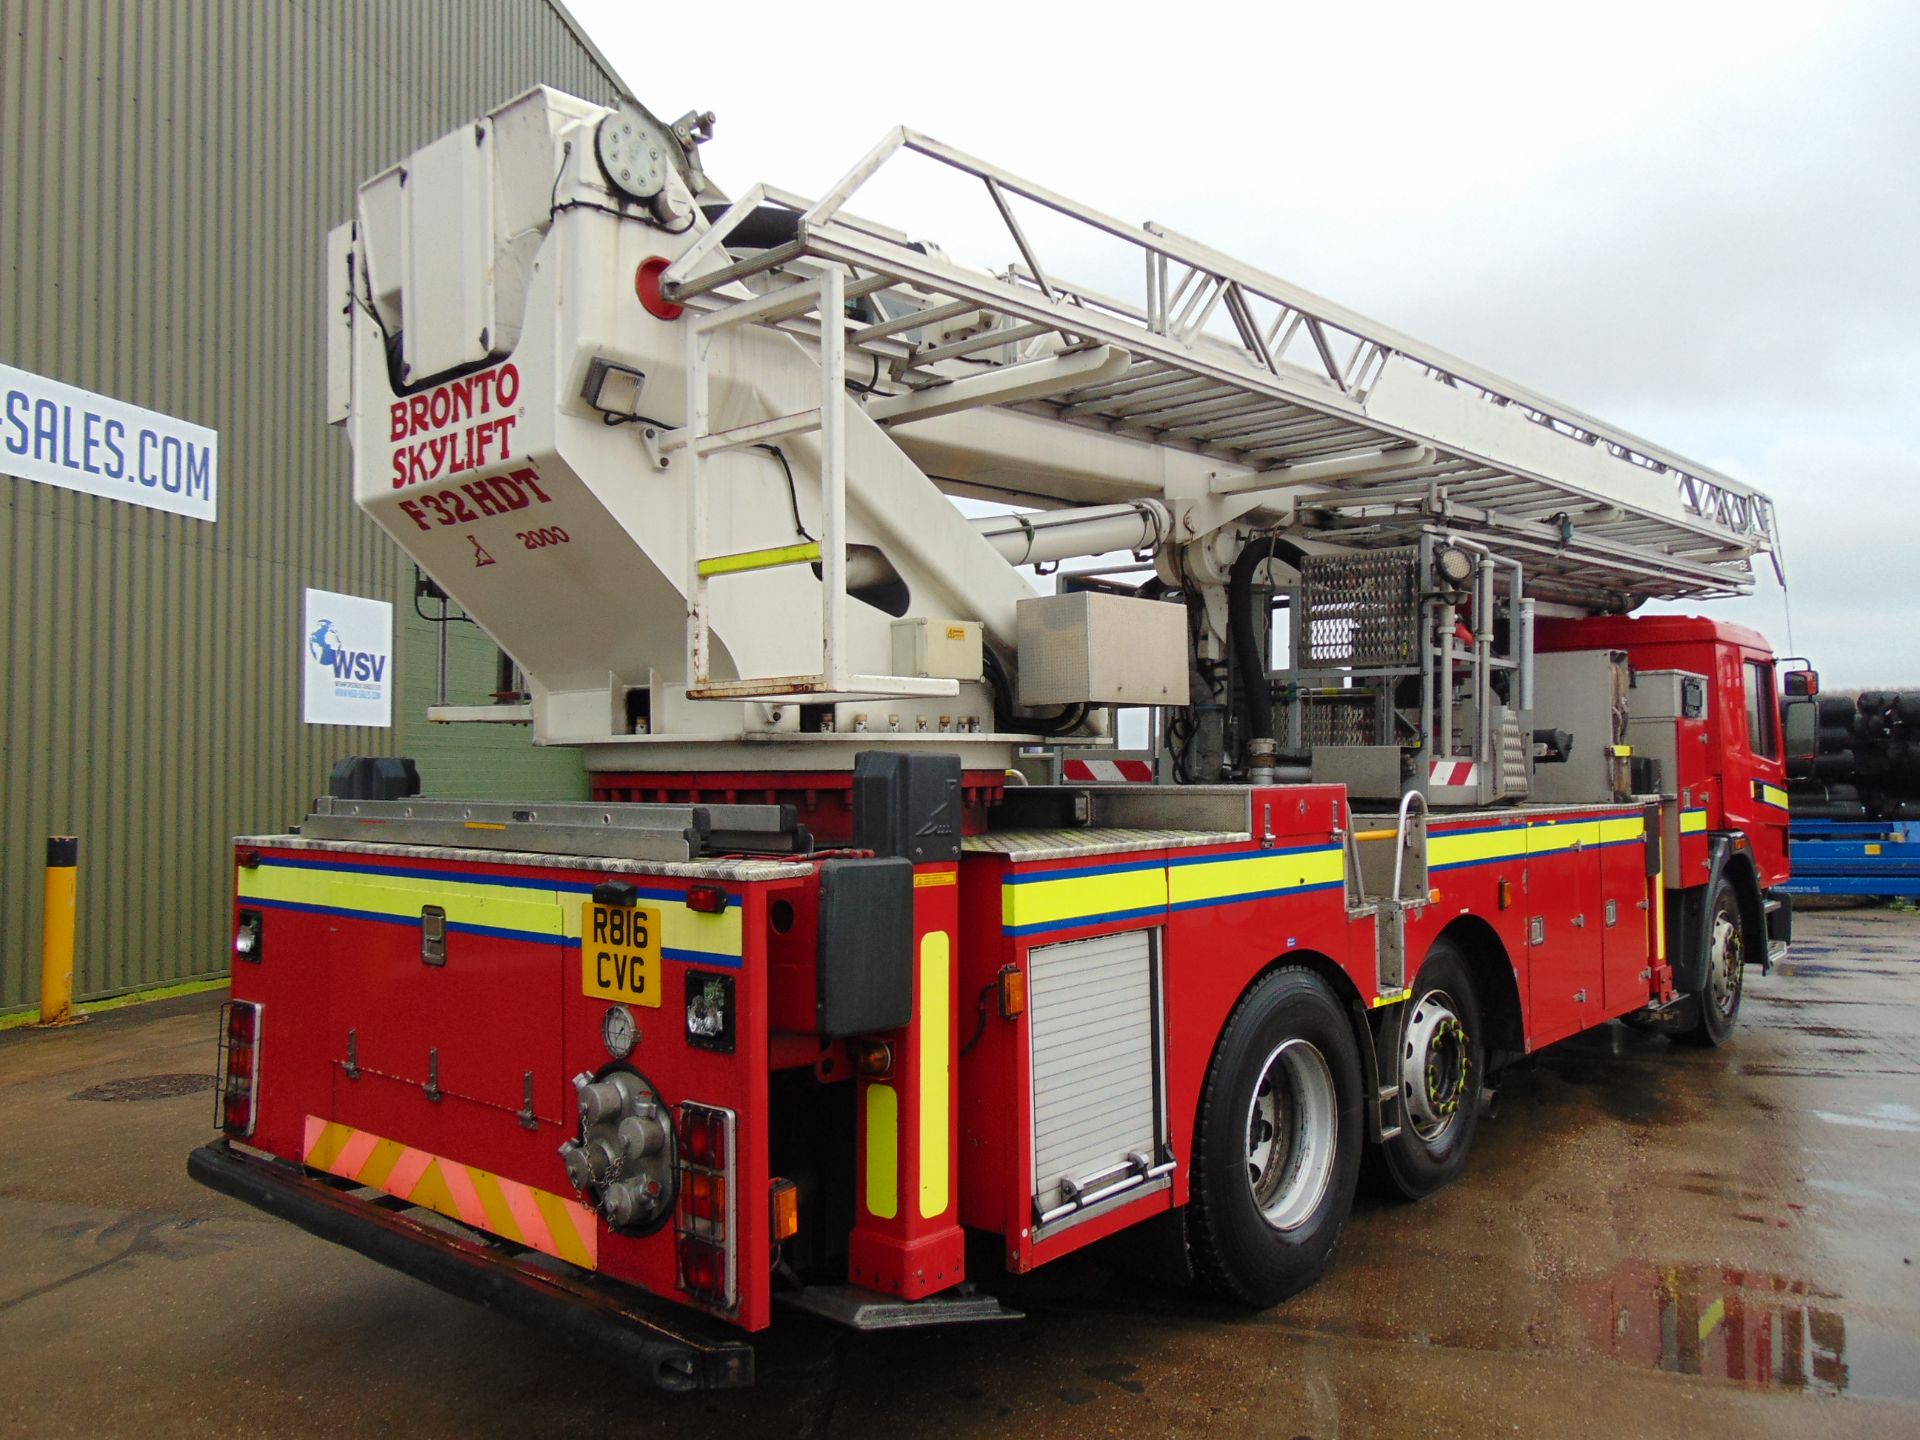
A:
(1498, 988)
(1352, 1004)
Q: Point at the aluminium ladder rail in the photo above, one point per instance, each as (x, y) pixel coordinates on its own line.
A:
(1371, 432)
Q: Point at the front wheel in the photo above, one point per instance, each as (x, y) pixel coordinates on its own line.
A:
(1277, 1145)
(1440, 1065)
(1718, 998)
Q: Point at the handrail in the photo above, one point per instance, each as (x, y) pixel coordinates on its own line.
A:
(1400, 830)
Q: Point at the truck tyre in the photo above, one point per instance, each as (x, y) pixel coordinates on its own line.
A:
(1440, 1065)
(1276, 1153)
(1718, 997)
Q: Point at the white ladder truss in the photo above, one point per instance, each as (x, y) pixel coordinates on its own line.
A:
(1358, 427)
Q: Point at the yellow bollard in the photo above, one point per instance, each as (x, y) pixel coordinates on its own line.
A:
(56, 930)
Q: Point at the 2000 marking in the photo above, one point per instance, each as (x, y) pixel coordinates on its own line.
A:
(543, 537)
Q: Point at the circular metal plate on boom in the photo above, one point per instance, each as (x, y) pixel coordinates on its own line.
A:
(634, 152)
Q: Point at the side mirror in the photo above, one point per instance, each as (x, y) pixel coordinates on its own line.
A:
(1800, 684)
(1800, 720)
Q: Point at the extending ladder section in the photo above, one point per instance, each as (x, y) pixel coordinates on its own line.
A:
(1310, 407)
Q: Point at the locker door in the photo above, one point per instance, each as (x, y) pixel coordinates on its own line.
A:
(1564, 929)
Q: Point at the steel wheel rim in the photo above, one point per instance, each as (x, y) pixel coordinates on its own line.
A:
(1724, 964)
(1435, 1066)
(1292, 1126)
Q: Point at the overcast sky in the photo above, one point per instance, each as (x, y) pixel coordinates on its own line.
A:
(1701, 223)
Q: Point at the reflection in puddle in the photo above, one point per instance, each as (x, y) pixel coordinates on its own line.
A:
(1724, 1323)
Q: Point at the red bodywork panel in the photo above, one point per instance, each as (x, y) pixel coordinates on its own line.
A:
(1745, 788)
(441, 1054)
(361, 1032)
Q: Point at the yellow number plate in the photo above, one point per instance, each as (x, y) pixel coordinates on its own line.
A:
(620, 953)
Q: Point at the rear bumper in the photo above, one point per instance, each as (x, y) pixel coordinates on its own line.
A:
(579, 1309)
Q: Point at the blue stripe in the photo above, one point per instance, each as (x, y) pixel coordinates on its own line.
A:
(1260, 895)
(700, 957)
(1124, 867)
(1073, 922)
(532, 937)
(500, 932)
(1524, 855)
(1248, 855)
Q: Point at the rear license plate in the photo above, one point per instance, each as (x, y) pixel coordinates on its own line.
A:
(620, 953)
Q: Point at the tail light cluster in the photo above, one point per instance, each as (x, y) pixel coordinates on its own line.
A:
(704, 1235)
(238, 1068)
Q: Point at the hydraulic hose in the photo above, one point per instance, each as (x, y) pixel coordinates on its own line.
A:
(1243, 628)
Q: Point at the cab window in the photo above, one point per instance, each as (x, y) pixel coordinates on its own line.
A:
(1763, 729)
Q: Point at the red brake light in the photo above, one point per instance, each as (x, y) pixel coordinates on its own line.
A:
(239, 1068)
(707, 899)
(703, 1228)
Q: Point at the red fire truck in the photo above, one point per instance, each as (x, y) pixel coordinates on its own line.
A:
(818, 987)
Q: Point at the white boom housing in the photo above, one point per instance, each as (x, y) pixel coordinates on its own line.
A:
(687, 461)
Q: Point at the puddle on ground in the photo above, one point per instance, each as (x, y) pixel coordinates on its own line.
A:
(1741, 1325)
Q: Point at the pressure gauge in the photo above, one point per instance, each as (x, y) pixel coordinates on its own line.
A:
(618, 1032)
(635, 153)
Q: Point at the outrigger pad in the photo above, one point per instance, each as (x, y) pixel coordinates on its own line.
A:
(864, 963)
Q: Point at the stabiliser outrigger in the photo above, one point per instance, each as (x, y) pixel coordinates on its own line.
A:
(817, 984)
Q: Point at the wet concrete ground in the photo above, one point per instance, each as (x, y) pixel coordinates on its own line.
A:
(1651, 1241)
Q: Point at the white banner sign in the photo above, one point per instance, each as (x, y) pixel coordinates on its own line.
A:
(62, 435)
(348, 679)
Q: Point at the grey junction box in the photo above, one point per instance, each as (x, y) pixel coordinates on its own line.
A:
(1089, 647)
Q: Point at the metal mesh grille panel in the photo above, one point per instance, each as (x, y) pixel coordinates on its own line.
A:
(1360, 609)
(1329, 720)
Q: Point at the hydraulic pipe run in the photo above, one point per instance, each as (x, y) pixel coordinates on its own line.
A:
(1044, 539)
(56, 929)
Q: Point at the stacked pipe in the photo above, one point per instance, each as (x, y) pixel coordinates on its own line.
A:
(1867, 762)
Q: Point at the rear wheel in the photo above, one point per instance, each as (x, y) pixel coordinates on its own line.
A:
(1441, 1061)
(1277, 1146)
(1718, 998)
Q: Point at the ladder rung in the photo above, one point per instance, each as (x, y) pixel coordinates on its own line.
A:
(771, 558)
(757, 433)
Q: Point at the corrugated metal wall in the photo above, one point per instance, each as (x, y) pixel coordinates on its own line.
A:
(168, 173)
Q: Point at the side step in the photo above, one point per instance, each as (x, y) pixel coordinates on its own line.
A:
(860, 1309)
(1680, 1013)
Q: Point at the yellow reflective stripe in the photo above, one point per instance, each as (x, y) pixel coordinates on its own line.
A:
(760, 559)
(1069, 897)
(537, 911)
(1693, 822)
(1444, 848)
(505, 907)
(1546, 839)
(1629, 827)
(1770, 794)
(936, 1045)
(1232, 876)
(680, 928)
(883, 1152)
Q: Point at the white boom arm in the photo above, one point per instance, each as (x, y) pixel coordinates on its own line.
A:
(695, 531)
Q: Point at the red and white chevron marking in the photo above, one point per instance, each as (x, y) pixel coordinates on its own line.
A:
(1452, 772)
(1107, 772)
